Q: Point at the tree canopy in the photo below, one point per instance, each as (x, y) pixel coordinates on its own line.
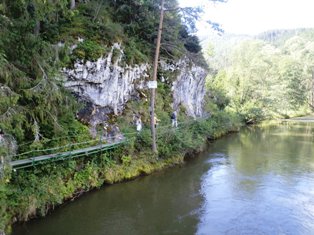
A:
(267, 78)
(33, 104)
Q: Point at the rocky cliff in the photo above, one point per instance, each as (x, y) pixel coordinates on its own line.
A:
(188, 86)
(106, 85)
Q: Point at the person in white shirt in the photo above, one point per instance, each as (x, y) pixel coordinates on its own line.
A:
(138, 124)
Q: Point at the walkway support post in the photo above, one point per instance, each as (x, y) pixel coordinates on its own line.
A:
(153, 91)
(312, 92)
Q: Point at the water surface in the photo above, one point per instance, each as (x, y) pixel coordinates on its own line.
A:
(257, 181)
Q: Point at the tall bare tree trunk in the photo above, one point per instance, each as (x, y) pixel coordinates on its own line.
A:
(153, 91)
(37, 28)
(72, 6)
(312, 101)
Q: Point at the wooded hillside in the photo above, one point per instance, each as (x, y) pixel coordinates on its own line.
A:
(267, 76)
(38, 38)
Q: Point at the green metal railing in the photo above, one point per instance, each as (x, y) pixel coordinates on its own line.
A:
(72, 150)
(33, 161)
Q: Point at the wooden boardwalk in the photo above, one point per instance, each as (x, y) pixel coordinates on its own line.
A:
(24, 163)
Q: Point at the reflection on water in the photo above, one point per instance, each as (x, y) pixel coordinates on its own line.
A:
(258, 181)
(266, 188)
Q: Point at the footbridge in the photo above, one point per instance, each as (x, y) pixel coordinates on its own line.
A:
(80, 149)
(59, 156)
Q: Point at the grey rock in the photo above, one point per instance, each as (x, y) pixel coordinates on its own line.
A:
(189, 86)
(106, 85)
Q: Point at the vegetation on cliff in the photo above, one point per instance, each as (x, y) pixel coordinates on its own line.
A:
(37, 39)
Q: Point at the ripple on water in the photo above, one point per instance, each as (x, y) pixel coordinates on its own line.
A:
(308, 206)
(218, 155)
(218, 159)
(244, 231)
(253, 182)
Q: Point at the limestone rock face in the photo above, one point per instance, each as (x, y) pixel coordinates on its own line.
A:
(8, 148)
(106, 85)
(188, 87)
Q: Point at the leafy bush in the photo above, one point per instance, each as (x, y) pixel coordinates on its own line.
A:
(252, 114)
(135, 52)
(88, 50)
(143, 140)
(192, 44)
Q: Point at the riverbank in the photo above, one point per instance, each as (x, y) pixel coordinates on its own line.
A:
(306, 118)
(35, 192)
(247, 173)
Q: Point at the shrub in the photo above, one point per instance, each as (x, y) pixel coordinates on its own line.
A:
(88, 50)
(252, 113)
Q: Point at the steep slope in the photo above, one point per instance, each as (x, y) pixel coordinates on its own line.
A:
(69, 68)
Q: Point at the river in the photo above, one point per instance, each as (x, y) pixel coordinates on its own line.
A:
(257, 181)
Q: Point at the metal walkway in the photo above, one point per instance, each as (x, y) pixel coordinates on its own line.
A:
(33, 161)
(79, 152)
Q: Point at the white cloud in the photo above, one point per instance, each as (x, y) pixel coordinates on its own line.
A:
(255, 16)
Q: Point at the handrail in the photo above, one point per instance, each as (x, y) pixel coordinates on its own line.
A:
(23, 163)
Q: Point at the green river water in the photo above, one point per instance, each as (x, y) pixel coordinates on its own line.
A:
(257, 181)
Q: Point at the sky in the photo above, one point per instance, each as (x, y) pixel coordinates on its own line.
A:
(255, 16)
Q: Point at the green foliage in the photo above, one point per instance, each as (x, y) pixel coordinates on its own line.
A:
(33, 105)
(216, 96)
(266, 79)
(4, 180)
(88, 50)
(251, 113)
(191, 135)
(30, 197)
(33, 193)
(144, 140)
(192, 44)
(135, 51)
(36, 41)
(126, 160)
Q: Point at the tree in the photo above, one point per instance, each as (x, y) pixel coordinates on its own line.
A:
(32, 100)
(312, 91)
(72, 4)
(268, 78)
(190, 15)
(152, 102)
